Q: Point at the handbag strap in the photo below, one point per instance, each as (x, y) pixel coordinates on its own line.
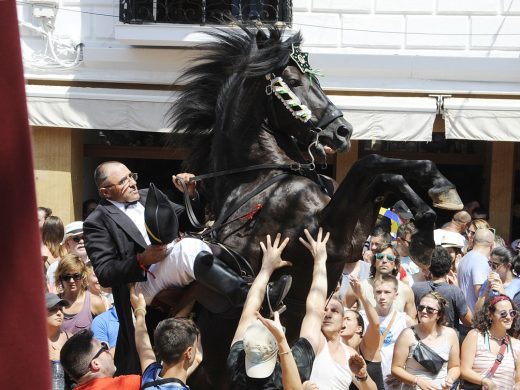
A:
(389, 326)
(500, 357)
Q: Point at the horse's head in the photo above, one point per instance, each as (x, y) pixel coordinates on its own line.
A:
(298, 106)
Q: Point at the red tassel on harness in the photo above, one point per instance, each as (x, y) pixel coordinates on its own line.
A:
(252, 213)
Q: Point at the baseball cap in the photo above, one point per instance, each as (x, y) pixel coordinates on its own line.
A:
(73, 229)
(402, 209)
(452, 240)
(261, 350)
(52, 300)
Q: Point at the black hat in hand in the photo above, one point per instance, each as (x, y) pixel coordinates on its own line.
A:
(160, 219)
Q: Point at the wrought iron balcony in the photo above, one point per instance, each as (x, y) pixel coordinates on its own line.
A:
(205, 11)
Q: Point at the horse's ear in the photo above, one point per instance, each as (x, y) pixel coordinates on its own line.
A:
(261, 38)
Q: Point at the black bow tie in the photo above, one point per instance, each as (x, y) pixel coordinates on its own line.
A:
(130, 204)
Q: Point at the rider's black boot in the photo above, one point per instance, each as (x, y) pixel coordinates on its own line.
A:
(217, 276)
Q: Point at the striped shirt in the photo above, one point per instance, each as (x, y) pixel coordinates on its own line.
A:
(504, 376)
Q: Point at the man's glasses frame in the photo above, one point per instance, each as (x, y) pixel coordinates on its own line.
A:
(124, 180)
(104, 348)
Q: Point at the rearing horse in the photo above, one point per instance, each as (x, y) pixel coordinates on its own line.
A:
(255, 98)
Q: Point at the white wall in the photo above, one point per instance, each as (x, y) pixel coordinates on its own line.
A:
(417, 45)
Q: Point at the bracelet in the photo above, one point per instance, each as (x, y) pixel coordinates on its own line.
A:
(284, 353)
(140, 309)
(362, 379)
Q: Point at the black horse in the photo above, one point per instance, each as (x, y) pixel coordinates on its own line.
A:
(256, 103)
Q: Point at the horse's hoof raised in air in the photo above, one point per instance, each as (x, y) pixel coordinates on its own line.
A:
(447, 200)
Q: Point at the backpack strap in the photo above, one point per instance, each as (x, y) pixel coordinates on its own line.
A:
(159, 382)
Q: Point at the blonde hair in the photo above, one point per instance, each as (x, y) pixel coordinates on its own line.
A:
(71, 264)
(480, 224)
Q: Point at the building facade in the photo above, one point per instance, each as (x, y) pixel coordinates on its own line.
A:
(433, 79)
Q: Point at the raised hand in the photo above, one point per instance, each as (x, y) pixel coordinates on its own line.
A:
(357, 365)
(272, 258)
(137, 299)
(318, 247)
(274, 326)
(355, 285)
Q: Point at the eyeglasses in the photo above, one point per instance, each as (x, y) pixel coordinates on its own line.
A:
(132, 175)
(67, 277)
(494, 266)
(104, 348)
(381, 256)
(429, 309)
(77, 239)
(504, 313)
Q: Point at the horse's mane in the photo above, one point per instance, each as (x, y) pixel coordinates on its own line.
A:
(218, 88)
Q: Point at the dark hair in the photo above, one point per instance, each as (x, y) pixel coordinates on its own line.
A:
(359, 320)
(172, 337)
(380, 232)
(482, 322)
(397, 262)
(76, 353)
(441, 301)
(405, 229)
(508, 256)
(441, 262)
(47, 211)
(86, 210)
(53, 232)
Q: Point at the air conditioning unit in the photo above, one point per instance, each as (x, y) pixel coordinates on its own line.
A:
(45, 8)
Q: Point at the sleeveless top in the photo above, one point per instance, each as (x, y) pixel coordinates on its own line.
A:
(505, 374)
(73, 323)
(442, 347)
(368, 291)
(328, 374)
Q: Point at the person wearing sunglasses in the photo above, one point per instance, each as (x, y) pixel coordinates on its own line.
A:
(503, 279)
(385, 261)
(56, 337)
(89, 363)
(494, 324)
(72, 241)
(432, 332)
(71, 279)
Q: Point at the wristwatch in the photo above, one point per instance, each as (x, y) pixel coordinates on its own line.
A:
(362, 379)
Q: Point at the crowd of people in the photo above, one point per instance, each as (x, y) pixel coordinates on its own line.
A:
(390, 323)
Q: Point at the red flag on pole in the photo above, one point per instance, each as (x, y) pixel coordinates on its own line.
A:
(24, 360)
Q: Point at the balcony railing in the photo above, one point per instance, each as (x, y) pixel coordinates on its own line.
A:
(205, 11)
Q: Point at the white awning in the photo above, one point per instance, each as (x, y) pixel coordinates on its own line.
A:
(389, 118)
(482, 119)
(373, 117)
(98, 108)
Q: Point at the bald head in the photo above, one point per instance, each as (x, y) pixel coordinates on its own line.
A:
(484, 237)
(101, 172)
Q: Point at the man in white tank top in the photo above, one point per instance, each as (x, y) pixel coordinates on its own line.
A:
(337, 365)
(391, 321)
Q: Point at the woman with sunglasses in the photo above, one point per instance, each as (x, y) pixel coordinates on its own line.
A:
(430, 331)
(72, 281)
(385, 261)
(503, 278)
(472, 229)
(494, 325)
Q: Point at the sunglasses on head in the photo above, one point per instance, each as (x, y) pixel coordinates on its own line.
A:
(429, 309)
(67, 277)
(76, 239)
(504, 313)
(381, 256)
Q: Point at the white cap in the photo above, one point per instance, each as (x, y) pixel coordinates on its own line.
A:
(73, 229)
(261, 351)
(452, 240)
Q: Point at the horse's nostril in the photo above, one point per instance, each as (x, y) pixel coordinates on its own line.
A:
(342, 131)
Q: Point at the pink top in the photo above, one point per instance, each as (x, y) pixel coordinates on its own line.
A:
(504, 376)
(73, 323)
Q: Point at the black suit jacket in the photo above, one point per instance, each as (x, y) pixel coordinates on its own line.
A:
(113, 241)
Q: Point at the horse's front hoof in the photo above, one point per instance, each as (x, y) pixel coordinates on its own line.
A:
(447, 200)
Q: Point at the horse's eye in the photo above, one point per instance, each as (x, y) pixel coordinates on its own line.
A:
(294, 83)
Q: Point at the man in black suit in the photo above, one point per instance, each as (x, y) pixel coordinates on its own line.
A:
(119, 248)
